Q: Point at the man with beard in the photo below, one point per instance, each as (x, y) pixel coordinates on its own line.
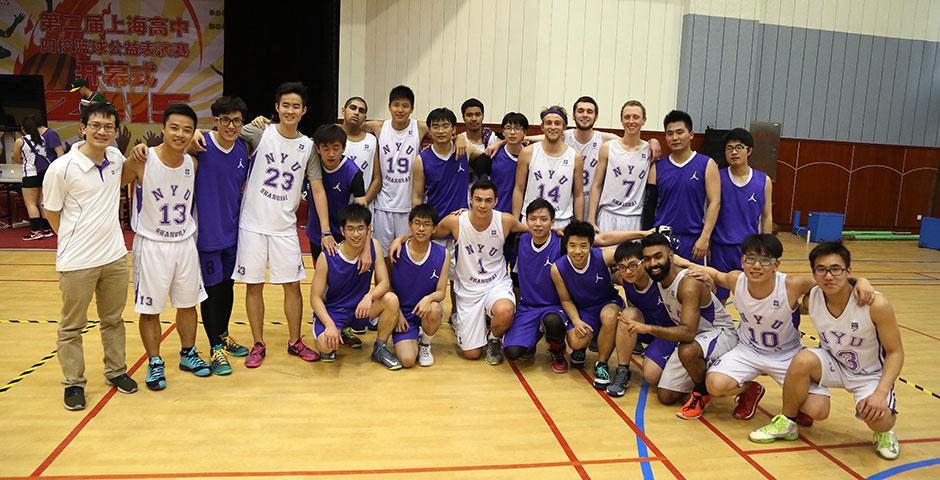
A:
(361, 146)
(702, 327)
(550, 170)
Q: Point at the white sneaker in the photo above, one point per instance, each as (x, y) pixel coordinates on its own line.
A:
(779, 428)
(425, 357)
(886, 445)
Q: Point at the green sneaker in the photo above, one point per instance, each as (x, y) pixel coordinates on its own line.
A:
(234, 348)
(780, 427)
(886, 445)
(219, 363)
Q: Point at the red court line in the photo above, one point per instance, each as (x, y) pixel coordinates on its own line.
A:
(320, 473)
(920, 332)
(636, 430)
(736, 448)
(92, 414)
(834, 446)
(822, 451)
(550, 422)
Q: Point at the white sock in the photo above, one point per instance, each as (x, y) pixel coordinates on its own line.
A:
(425, 339)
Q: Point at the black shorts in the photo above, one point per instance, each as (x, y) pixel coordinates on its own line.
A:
(34, 181)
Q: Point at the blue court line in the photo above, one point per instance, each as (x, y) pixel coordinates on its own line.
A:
(904, 468)
(641, 449)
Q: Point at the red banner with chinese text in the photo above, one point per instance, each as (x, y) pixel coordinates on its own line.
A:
(141, 56)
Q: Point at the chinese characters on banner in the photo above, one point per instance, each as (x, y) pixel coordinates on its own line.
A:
(141, 56)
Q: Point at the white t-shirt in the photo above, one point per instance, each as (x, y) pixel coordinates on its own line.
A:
(87, 197)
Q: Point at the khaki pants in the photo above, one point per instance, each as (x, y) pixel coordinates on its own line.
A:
(108, 283)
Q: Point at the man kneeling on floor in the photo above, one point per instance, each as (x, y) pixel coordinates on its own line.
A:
(339, 294)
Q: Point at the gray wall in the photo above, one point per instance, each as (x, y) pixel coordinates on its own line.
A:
(819, 84)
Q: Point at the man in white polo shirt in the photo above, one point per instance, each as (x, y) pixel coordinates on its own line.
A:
(81, 195)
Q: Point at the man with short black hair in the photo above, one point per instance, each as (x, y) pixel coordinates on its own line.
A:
(81, 197)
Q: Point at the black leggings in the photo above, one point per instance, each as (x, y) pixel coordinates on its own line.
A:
(217, 310)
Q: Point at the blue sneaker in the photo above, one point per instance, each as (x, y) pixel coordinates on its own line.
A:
(232, 347)
(219, 363)
(190, 362)
(156, 378)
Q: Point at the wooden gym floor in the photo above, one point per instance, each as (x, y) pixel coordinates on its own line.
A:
(457, 419)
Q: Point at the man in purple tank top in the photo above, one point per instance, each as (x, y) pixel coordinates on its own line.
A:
(342, 179)
(684, 191)
(645, 306)
(340, 296)
(419, 279)
(745, 205)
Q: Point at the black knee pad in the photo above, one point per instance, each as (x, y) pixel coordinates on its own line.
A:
(554, 327)
(515, 352)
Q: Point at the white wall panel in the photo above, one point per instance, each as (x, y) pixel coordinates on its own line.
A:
(514, 56)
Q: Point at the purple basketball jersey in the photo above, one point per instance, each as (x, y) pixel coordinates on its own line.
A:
(592, 287)
(412, 280)
(218, 194)
(345, 287)
(649, 303)
(503, 175)
(682, 194)
(535, 271)
(741, 208)
(446, 181)
(338, 186)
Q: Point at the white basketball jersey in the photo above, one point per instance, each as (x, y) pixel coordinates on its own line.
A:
(480, 260)
(767, 324)
(275, 184)
(852, 338)
(550, 178)
(712, 315)
(162, 205)
(589, 152)
(625, 179)
(397, 151)
(28, 154)
(363, 153)
(479, 146)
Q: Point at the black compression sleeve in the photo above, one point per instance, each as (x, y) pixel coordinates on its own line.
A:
(650, 201)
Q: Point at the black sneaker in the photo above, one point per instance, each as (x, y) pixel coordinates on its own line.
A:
(639, 349)
(577, 358)
(620, 382)
(123, 383)
(74, 398)
(359, 330)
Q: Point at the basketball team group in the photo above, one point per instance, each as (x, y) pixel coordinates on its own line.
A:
(529, 235)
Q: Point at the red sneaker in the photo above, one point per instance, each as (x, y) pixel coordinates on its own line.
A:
(303, 351)
(33, 235)
(559, 362)
(748, 400)
(694, 407)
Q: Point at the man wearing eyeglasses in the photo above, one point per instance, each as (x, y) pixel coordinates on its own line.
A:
(859, 350)
(223, 169)
(745, 205)
(769, 332)
(81, 196)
